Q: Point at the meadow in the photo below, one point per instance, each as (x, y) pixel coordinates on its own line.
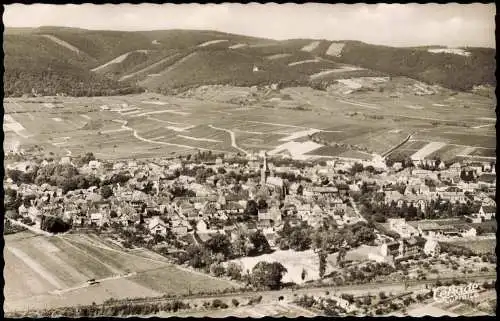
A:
(152, 125)
(52, 271)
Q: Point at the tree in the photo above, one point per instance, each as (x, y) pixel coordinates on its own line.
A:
(106, 191)
(322, 263)
(356, 168)
(15, 175)
(300, 190)
(268, 275)
(217, 269)
(299, 239)
(341, 256)
(303, 274)
(259, 243)
(234, 271)
(219, 243)
(251, 208)
(54, 224)
(201, 175)
(262, 204)
(11, 192)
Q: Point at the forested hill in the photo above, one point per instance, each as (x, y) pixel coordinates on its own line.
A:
(462, 71)
(51, 60)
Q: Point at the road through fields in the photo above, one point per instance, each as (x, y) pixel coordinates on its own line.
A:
(233, 139)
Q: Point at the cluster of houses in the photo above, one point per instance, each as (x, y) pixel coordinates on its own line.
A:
(218, 198)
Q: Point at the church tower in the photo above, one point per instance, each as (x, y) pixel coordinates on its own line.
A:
(264, 172)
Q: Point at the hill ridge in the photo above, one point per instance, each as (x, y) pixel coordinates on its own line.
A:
(114, 58)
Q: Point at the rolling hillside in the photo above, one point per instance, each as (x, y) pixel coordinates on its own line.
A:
(447, 68)
(80, 62)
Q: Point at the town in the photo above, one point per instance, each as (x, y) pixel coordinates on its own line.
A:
(352, 221)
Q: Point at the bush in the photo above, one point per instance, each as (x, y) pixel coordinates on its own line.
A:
(217, 303)
(255, 300)
(235, 302)
(217, 269)
(234, 271)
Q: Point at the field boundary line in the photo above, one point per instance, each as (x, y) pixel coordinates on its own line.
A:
(121, 252)
(36, 267)
(112, 269)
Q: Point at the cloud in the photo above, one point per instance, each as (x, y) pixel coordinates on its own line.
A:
(388, 24)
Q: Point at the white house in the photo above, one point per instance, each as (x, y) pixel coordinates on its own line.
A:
(400, 226)
(157, 226)
(431, 247)
(93, 165)
(487, 212)
(97, 219)
(180, 227)
(201, 226)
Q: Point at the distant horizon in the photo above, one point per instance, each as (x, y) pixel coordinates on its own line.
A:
(212, 30)
(395, 25)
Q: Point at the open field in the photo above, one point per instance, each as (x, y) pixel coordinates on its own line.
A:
(478, 246)
(52, 271)
(113, 126)
(293, 261)
(283, 310)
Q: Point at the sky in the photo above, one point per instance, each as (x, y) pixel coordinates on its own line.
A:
(386, 24)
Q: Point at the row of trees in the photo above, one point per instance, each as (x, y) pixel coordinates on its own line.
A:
(297, 238)
(54, 224)
(220, 248)
(380, 211)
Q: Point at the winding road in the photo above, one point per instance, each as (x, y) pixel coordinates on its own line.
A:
(136, 135)
(233, 139)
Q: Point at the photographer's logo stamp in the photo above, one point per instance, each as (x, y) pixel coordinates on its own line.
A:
(454, 293)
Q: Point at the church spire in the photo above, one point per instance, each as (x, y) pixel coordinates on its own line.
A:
(264, 174)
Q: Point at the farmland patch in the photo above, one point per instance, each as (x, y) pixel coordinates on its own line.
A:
(37, 267)
(238, 45)
(335, 49)
(310, 47)
(200, 139)
(212, 42)
(172, 280)
(296, 149)
(485, 152)
(299, 134)
(278, 56)
(448, 152)
(328, 151)
(303, 62)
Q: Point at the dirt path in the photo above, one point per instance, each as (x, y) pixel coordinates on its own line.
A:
(63, 43)
(364, 105)
(355, 208)
(136, 135)
(117, 60)
(276, 124)
(30, 228)
(233, 139)
(147, 68)
(86, 285)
